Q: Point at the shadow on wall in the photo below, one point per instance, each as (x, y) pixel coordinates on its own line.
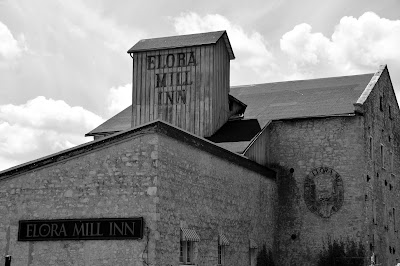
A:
(264, 257)
(342, 252)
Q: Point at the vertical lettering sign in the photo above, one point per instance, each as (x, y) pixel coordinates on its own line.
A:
(82, 229)
(174, 79)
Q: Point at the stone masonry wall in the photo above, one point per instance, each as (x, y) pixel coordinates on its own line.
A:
(210, 195)
(382, 154)
(116, 181)
(297, 147)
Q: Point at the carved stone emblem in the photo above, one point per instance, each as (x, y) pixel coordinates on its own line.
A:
(323, 191)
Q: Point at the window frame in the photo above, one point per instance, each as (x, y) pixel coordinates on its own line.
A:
(186, 252)
(221, 254)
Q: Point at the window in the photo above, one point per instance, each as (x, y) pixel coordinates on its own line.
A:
(394, 220)
(371, 148)
(390, 113)
(186, 252)
(374, 212)
(222, 242)
(391, 162)
(382, 156)
(253, 252)
(187, 245)
(381, 103)
(385, 219)
(221, 254)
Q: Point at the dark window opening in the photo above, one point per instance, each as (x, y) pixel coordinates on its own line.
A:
(381, 103)
(293, 237)
(371, 148)
(368, 178)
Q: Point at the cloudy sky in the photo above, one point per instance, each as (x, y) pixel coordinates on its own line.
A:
(64, 67)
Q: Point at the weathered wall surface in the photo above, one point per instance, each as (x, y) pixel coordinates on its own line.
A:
(382, 137)
(115, 181)
(211, 195)
(297, 147)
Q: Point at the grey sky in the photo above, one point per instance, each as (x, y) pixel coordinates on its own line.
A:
(73, 55)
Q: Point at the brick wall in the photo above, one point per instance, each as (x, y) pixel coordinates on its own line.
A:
(297, 147)
(116, 181)
(211, 195)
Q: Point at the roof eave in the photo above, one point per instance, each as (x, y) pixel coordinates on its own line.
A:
(156, 126)
(316, 116)
(228, 45)
(363, 97)
(224, 35)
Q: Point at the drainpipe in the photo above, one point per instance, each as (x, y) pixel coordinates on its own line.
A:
(8, 260)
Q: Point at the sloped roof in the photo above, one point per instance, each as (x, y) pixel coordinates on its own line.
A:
(117, 123)
(122, 120)
(182, 41)
(237, 147)
(159, 127)
(302, 98)
(280, 100)
(236, 130)
(236, 135)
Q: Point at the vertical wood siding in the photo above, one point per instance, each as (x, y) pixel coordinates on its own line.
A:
(201, 106)
(257, 151)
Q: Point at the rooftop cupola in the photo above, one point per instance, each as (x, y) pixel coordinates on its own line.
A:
(183, 80)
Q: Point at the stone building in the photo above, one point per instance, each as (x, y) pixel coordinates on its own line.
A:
(198, 172)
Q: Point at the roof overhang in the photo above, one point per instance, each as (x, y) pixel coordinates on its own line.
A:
(158, 127)
(170, 44)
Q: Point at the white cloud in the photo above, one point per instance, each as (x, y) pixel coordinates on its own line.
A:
(254, 62)
(88, 21)
(356, 45)
(119, 98)
(10, 48)
(45, 113)
(41, 127)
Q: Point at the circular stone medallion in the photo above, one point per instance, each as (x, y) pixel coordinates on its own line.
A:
(323, 191)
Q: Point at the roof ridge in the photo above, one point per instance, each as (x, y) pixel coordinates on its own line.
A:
(183, 35)
(298, 80)
(183, 41)
(156, 126)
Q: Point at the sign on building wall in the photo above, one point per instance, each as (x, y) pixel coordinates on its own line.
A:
(80, 229)
(323, 191)
(187, 87)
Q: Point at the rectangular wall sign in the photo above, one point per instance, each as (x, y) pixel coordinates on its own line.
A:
(80, 229)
